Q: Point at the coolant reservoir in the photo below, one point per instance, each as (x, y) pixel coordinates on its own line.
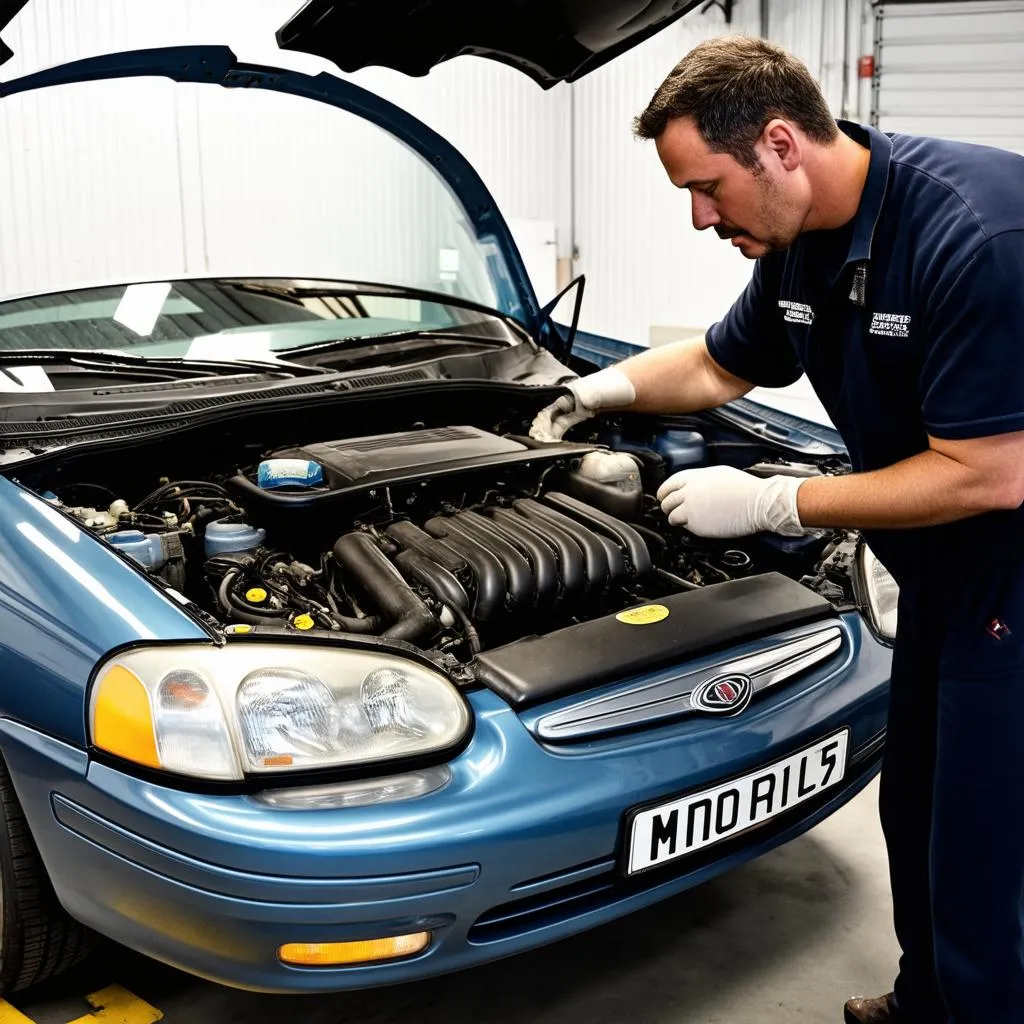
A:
(609, 481)
(221, 537)
(145, 549)
(681, 449)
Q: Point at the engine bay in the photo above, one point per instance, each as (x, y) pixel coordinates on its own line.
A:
(452, 538)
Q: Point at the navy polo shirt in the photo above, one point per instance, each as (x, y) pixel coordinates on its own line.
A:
(908, 321)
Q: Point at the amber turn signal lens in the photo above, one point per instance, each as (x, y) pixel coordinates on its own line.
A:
(365, 951)
(123, 718)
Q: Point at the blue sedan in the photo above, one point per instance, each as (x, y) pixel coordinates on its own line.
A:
(316, 671)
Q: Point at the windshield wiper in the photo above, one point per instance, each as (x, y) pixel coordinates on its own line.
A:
(369, 340)
(175, 366)
(348, 297)
(353, 293)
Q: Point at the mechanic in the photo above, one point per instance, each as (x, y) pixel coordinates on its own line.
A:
(889, 269)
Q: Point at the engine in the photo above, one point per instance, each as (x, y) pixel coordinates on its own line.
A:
(453, 539)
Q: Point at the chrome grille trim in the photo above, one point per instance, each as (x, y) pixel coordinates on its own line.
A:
(669, 695)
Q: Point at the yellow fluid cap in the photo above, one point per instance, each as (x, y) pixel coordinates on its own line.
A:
(644, 615)
(240, 629)
(303, 621)
(256, 595)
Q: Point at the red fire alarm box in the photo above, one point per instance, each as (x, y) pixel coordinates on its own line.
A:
(865, 67)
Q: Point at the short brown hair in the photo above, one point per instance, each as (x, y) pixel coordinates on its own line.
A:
(732, 87)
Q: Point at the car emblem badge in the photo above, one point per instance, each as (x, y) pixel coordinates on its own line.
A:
(723, 695)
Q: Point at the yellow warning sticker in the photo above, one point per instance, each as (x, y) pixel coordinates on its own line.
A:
(644, 615)
(256, 595)
(303, 621)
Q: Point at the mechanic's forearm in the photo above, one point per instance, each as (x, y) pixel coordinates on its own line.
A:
(924, 490)
(680, 377)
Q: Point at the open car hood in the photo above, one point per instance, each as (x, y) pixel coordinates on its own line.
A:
(550, 40)
(8, 9)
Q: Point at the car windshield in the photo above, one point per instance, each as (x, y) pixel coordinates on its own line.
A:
(286, 227)
(230, 318)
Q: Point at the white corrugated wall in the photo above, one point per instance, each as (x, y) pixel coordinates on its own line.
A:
(102, 181)
(645, 265)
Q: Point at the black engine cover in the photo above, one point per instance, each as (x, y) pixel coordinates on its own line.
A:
(389, 457)
(540, 668)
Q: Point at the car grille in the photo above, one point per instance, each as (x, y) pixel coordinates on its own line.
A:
(605, 885)
(669, 695)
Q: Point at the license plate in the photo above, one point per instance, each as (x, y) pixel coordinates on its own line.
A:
(679, 827)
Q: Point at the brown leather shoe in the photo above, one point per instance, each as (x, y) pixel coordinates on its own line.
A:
(879, 1010)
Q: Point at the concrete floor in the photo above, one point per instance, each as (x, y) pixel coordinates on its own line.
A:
(785, 938)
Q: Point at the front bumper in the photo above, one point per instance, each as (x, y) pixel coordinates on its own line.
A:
(520, 849)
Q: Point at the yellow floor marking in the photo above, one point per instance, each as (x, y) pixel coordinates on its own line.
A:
(111, 1005)
(9, 1015)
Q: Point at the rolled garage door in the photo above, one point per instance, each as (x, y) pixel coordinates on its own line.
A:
(951, 69)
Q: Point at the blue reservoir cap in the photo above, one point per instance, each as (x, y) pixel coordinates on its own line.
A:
(146, 549)
(273, 473)
(124, 537)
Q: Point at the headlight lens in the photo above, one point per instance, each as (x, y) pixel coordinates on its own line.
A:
(882, 593)
(223, 713)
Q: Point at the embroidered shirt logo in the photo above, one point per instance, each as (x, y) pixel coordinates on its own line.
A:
(999, 629)
(892, 325)
(796, 312)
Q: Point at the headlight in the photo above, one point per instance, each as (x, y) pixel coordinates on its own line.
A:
(881, 592)
(223, 713)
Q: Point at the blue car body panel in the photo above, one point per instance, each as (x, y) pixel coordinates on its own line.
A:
(523, 845)
(521, 848)
(66, 599)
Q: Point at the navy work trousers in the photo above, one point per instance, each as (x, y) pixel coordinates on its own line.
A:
(952, 804)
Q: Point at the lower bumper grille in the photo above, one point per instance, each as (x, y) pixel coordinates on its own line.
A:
(561, 903)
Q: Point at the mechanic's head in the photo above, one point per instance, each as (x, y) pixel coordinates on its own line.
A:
(736, 122)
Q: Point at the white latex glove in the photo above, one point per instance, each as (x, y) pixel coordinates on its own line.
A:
(720, 501)
(607, 389)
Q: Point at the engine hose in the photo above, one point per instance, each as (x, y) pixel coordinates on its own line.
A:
(257, 616)
(470, 630)
(595, 555)
(676, 581)
(330, 613)
(520, 583)
(411, 619)
(542, 557)
(441, 583)
(572, 578)
(410, 537)
(235, 608)
(352, 624)
(599, 521)
(180, 485)
(489, 573)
